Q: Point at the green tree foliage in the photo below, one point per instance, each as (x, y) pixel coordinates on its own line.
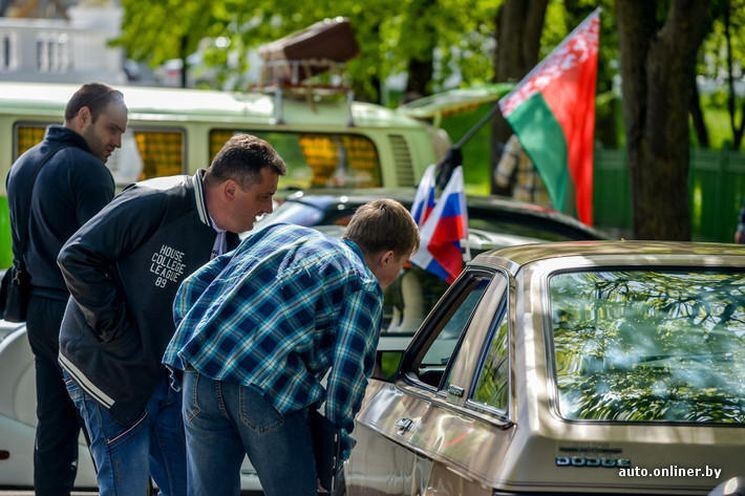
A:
(158, 30)
(390, 34)
(721, 60)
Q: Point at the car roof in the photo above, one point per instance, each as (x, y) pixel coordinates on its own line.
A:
(698, 251)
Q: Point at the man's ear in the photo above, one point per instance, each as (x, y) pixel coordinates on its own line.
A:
(82, 119)
(387, 257)
(229, 189)
(85, 116)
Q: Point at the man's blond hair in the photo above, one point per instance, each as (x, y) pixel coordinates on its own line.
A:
(383, 225)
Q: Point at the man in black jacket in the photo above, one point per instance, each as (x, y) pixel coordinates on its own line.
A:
(72, 185)
(123, 268)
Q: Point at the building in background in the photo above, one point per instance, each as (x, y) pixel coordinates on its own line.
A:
(60, 41)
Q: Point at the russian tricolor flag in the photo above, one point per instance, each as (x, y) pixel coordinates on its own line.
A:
(441, 234)
(424, 201)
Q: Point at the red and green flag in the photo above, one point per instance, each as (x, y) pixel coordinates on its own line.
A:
(552, 111)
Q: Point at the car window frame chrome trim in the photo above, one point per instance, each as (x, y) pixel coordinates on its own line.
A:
(414, 353)
(407, 382)
(505, 309)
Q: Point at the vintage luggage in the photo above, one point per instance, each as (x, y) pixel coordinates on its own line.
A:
(314, 50)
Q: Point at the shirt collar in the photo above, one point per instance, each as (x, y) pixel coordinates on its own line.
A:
(201, 203)
(356, 249)
(214, 226)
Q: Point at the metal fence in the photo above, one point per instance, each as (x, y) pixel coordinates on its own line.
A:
(716, 189)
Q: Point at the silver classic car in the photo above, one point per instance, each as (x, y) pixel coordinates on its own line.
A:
(578, 367)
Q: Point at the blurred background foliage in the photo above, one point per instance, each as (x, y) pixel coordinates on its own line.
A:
(412, 48)
(453, 39)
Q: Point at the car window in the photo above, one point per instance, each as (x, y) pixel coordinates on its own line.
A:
(409, 299)
(318, 160)
(492, 384)
(443, 342)
(650, 345)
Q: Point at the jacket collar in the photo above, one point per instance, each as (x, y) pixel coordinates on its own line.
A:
(201, 203)
(64, 136)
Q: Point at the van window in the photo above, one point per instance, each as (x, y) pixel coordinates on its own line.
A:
(27, 135)
(318, 159)
(160, 151)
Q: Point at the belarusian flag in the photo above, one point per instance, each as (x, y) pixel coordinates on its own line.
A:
(552, 111)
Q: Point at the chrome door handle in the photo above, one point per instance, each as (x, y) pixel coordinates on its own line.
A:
(456, 390)
(404, 424)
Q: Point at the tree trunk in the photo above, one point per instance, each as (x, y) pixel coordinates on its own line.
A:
(737, 130)
(184, 62)
(737, 142)
(519, 24)
(419, 79)
(657, 67)
(697, 115)
(420, 67)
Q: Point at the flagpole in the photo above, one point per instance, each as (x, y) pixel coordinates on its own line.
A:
(469, 134)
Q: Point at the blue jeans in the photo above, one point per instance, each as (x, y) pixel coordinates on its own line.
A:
(226, 421)
(126, 456)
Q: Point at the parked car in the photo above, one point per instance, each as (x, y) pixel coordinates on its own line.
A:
(18, 413)
(594, 367)
(493, 222)
(494, 214)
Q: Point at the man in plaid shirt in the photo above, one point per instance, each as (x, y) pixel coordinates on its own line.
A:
(258, 329)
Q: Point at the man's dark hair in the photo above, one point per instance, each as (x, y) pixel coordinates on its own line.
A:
(241, 159)
(95, 96)
(383, 225)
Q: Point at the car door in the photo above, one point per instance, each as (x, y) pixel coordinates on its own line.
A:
(438, 427)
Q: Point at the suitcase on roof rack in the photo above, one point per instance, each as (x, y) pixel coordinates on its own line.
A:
(320, 47)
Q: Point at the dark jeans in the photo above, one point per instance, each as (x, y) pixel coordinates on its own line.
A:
(224, 422)
(58, 424)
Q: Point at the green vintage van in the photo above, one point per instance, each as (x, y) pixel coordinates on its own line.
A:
(326, 139)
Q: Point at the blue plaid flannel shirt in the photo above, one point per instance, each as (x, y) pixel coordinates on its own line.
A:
(279, 311)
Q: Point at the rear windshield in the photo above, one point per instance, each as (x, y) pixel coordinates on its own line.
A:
(650, 346)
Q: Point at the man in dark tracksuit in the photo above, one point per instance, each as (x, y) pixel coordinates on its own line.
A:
(123, 268)
(72, 185)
